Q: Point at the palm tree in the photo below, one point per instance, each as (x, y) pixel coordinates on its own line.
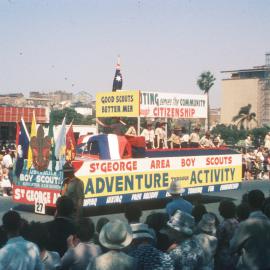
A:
(245, 117)
(205, 82)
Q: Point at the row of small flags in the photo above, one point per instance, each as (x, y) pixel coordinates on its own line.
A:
(63, 148)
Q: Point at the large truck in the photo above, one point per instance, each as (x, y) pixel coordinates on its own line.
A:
(118, 169)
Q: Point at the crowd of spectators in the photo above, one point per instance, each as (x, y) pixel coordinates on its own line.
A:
(255, 163)
(184, 236)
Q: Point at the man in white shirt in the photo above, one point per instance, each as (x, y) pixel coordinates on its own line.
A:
(195, 138)
(149, 136)
(205, 141)
(7, 160)
(161, 136)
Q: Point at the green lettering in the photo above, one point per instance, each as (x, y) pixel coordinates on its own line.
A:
(100, 185)
(89, 187)
(193, 178)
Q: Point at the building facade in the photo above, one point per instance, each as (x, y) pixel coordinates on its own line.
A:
(247, 86)
(10, 115)
(214, 117)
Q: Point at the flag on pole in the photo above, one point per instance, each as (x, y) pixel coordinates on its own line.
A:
(18, 129)
(70, 144)
(32, 134)
(51, 135)
(22, 147)
(60, 144)
(118, 79)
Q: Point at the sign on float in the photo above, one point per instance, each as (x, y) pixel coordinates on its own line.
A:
(172, 105)
(118, 104)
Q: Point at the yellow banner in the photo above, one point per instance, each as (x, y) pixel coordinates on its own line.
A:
(116, 184)
(118, 104)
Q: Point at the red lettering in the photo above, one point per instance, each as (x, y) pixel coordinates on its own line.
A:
(122, 166)
(218, 160)
(187, 162)
(114, 166)
(92, 167)
(103, 167)
(160, 164)
(155, 111)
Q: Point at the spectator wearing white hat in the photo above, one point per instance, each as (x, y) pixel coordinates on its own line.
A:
(186, 251)
(177, 203)
(115, 236)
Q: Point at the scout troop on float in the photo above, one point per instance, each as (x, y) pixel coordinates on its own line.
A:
(156, 138)
(154, 170)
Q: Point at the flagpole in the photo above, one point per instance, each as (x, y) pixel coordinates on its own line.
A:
(139, 125)
(71, 123)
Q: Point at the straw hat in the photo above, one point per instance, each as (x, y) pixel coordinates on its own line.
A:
(115, 235)
(177, 127)
(182, 222)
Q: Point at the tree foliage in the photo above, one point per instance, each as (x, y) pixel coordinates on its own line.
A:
(206, 81)
(72, 115)
(232, 135)
(245, 117)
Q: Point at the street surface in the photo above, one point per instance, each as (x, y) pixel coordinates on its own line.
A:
(211, 201)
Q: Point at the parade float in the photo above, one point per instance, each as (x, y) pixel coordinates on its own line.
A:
(119, 169)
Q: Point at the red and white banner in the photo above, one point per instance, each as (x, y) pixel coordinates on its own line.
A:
(172, 105)
(103, 167)
(29, 195)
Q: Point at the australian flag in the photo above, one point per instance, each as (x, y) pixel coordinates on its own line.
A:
(118, 80)
(22, 147)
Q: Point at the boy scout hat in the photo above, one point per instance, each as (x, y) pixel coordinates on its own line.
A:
(68, 167)
(177, 127)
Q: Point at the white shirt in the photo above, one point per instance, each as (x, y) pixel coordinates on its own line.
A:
(149, 135)
(185, 138)
(131, 131)
(194, 137)
(7, 161)
(161, 133)
(206, 142)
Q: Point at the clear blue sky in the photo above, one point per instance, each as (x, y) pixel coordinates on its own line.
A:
(164, 45)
